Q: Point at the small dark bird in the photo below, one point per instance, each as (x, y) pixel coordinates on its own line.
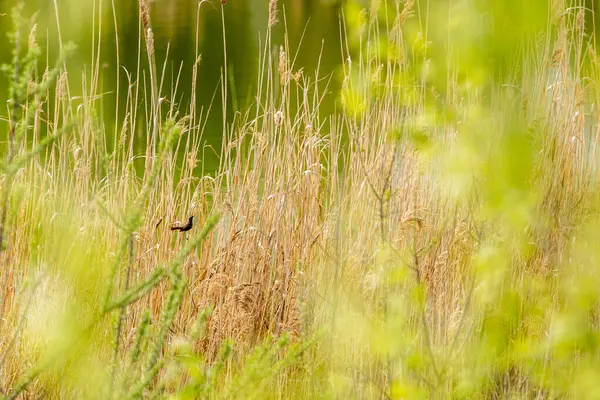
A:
(183, 228)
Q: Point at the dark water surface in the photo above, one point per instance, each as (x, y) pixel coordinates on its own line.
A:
(313, 23)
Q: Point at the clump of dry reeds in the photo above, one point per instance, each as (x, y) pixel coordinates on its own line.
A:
(343, 224)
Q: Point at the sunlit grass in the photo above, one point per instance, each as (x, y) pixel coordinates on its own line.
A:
(434, 238)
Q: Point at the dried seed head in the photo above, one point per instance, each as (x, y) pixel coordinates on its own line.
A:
(31, 86)
(284, 75)
(123, 135)
(557, 11)
(296, 76)
(32, 42)
(192, 161)
(272, 12)
(579, 96)
(150, 42)
(558, 55)
(278, 118)
(144, 14)
(580, 20)
(407, 10)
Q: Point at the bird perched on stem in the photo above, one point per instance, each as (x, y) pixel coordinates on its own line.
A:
(183, 228)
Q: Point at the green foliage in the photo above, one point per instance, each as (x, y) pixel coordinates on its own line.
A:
(484, 287)
(502, 343)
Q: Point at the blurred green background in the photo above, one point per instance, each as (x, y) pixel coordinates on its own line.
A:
(312, 28)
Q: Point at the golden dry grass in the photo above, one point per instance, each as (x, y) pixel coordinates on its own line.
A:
(330, 224)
